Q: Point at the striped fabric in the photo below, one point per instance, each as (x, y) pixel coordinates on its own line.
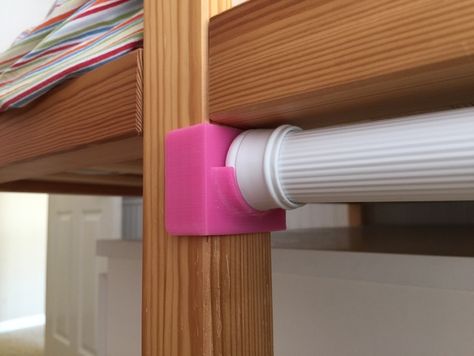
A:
(77, 36)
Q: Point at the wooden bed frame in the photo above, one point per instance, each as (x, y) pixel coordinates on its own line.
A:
(306, 62)
(88, 125)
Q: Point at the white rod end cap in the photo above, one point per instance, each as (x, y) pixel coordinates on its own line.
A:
(254, 154)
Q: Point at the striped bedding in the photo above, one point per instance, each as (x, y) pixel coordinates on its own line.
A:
(77, 36)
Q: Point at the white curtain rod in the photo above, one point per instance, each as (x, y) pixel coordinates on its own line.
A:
(427, 157)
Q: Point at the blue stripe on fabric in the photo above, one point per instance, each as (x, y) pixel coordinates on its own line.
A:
(43, 91)
(73, 54)
(80, 37)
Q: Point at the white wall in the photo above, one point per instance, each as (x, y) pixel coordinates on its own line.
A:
(23, 231)
(318, 215)
(124, 339)
(132, 218)
(19, 15)
(362, 304)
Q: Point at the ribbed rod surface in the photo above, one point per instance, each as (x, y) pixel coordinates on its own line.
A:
(418, 158)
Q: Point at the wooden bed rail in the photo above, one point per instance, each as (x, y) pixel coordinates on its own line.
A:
(90, 121)
(50, 187)
(314, 63)
(100, 106)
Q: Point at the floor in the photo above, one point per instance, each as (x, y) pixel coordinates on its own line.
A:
(26, 342)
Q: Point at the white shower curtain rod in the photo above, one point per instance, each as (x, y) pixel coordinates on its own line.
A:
(427, 157)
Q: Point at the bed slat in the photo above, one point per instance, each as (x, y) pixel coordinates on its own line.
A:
(311, 63)
(102, 105)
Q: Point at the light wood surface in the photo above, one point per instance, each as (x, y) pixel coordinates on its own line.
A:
(90, 156)
(38, 186)
(203, 296)
(129, 167)
(106, 179)
(102, 105)
(313, 63)
(356, 215)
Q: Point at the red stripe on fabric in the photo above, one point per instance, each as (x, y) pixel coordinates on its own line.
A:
(87, 43)
(100, 8)
(13, 59)
(42, 54)
(43, 25)
(67, 72)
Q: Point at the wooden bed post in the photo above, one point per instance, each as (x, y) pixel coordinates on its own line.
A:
(201, 295)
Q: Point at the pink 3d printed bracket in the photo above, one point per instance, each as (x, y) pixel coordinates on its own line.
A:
(201, 193)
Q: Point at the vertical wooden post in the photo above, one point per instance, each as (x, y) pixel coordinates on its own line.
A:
(201, 295)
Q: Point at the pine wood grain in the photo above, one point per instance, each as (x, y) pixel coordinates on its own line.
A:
(356, 216)
(102, 105)
(203, 296)
(106, 179)
(130, 167)
(312, 63)
(90, 156)
(37, 186)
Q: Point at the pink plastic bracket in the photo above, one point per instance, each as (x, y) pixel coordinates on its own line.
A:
(201, 193)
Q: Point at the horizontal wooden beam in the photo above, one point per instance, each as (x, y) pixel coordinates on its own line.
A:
(90, 156)
(102, 105)
(131, 167)
(120, 180)
(36, 186)
(314, 63)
